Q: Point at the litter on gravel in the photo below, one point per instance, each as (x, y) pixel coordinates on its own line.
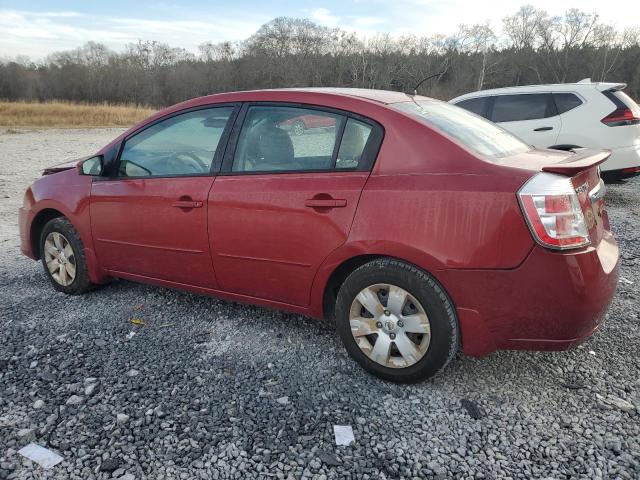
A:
(42, 456)
(344, 435)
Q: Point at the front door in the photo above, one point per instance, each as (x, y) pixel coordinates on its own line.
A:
(286, 199)
(150, 217)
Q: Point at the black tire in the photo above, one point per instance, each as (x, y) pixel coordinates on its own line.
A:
(81, 282)
(445, 336)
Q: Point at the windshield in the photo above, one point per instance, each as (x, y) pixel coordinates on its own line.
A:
(479, 135)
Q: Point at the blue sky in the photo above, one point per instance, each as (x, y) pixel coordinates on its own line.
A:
(37, 28)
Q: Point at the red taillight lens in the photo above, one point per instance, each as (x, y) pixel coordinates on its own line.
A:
(621, 116)
(552, 209)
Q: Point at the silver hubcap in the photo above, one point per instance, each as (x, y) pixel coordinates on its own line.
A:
(60, 259)
(390, 326)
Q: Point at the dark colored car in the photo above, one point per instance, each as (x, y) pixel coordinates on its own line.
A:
(419, 227)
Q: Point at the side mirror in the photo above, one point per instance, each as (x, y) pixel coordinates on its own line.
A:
(91, 166)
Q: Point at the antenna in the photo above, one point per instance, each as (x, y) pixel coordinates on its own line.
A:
(415, 89)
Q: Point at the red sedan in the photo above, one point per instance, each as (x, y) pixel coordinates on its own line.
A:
(419, 227)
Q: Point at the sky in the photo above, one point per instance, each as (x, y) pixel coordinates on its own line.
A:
(36, 28)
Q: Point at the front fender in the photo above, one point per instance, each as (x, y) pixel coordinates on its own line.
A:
(68, 193)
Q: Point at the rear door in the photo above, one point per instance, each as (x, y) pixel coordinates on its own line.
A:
(284, 200)
(149, 218)
(532, 117)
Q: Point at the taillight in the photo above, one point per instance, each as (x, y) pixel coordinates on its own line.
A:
(551, 207)
(627, 111)
(621, 116)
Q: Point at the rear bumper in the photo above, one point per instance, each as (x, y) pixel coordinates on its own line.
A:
(621, 158)
(552, 301)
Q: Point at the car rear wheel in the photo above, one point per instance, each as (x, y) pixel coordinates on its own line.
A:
(396, 321)
(62, 255)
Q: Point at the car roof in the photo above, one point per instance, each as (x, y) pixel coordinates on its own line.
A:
(384, 97)
(548, 87)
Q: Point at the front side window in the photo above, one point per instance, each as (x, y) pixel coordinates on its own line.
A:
(475, 105)
(476, 133)
(516, 108)
(281, 138)
(184, 144)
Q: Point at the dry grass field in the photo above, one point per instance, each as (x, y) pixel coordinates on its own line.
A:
(60, 114)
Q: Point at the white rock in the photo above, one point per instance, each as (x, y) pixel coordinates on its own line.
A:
(90, 389)
(26, 433)
(621, 404)
(283, 400)
(38, 404)
(75, 400)
(122, 418)
(133, 372)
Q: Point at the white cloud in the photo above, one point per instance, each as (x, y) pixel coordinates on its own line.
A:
(38, 34)
(323, 17)
(427, 17)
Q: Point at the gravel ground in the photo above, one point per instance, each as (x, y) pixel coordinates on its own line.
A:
(212, 389)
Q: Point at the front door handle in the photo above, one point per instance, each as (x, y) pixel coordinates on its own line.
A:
(542, 129)
(325, 202)
(186, 204)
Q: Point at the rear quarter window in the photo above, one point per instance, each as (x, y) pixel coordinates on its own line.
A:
(566, 101)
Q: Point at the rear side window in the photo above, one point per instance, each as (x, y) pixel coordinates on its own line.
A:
(475, 105)
(477, 134)
(275, 138)
(516, 108)
(566, 101)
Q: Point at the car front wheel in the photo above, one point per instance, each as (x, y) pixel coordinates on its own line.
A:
(396, 321)
(62, 255)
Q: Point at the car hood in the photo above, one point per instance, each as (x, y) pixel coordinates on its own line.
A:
(61, 167)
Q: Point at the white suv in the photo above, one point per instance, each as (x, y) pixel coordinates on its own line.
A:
(566, 116)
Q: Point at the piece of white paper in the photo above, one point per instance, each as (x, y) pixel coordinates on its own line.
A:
(42, 456)
(344, 434)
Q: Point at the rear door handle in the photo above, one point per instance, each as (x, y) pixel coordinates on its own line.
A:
(542, 129)
(186, 204)
(325, 202)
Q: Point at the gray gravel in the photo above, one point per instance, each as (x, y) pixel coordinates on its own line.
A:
(212, 389)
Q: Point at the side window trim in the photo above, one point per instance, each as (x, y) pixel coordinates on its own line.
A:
(216, 162)
(369, 154)
(336, 147)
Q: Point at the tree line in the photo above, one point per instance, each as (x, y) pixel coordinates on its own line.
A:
(533, 47)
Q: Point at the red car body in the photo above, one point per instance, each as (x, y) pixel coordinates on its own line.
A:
(427, 200)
